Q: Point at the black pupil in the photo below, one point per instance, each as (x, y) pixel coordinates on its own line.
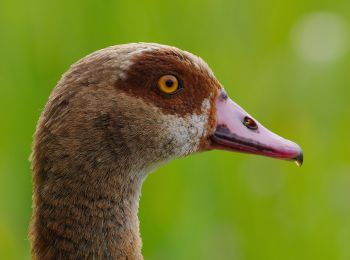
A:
(169, 83)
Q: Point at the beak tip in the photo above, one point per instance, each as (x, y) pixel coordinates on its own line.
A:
(299, 159)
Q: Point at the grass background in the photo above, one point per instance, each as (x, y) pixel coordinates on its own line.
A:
(286, 62)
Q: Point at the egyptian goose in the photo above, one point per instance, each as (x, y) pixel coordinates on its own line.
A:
(116, 115)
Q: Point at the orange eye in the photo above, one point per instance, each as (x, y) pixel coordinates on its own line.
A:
(168, 84)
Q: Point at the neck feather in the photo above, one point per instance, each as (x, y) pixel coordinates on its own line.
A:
(86, 214)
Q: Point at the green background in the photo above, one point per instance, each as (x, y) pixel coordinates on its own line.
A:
(285, 62)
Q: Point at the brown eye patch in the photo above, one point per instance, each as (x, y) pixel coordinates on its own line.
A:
(147, 68)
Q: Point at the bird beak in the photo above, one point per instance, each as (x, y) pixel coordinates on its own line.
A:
(237, 131)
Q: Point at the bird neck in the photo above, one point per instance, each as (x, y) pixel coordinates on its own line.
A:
(86, 214)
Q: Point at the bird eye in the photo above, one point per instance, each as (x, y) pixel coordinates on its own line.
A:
(250, 123)
(168, 84)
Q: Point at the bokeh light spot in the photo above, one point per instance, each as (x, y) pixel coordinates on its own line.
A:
(320, 37)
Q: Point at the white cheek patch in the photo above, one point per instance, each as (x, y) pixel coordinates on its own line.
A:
(188, 131)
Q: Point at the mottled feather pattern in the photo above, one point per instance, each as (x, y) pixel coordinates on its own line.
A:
(103, 129)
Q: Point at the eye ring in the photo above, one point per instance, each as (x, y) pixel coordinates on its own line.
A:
(169, 84)
(250, 123)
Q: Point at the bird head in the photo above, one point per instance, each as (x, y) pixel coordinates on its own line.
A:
(144, 104)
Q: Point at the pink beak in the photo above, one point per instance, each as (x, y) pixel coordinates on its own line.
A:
(237, 131)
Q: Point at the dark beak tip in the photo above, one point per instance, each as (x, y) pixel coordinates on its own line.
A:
(299, 159)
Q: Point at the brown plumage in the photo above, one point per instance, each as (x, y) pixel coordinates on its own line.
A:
(99, 133)
(105, 126)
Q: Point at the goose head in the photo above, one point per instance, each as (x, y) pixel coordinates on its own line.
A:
(150, 103)
(116, 115)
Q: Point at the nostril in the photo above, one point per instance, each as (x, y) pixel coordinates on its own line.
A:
(250, 123)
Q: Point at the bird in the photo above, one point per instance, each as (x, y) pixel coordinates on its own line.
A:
(115, 116)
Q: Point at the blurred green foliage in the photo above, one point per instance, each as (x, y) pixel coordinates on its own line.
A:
(216, 205)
